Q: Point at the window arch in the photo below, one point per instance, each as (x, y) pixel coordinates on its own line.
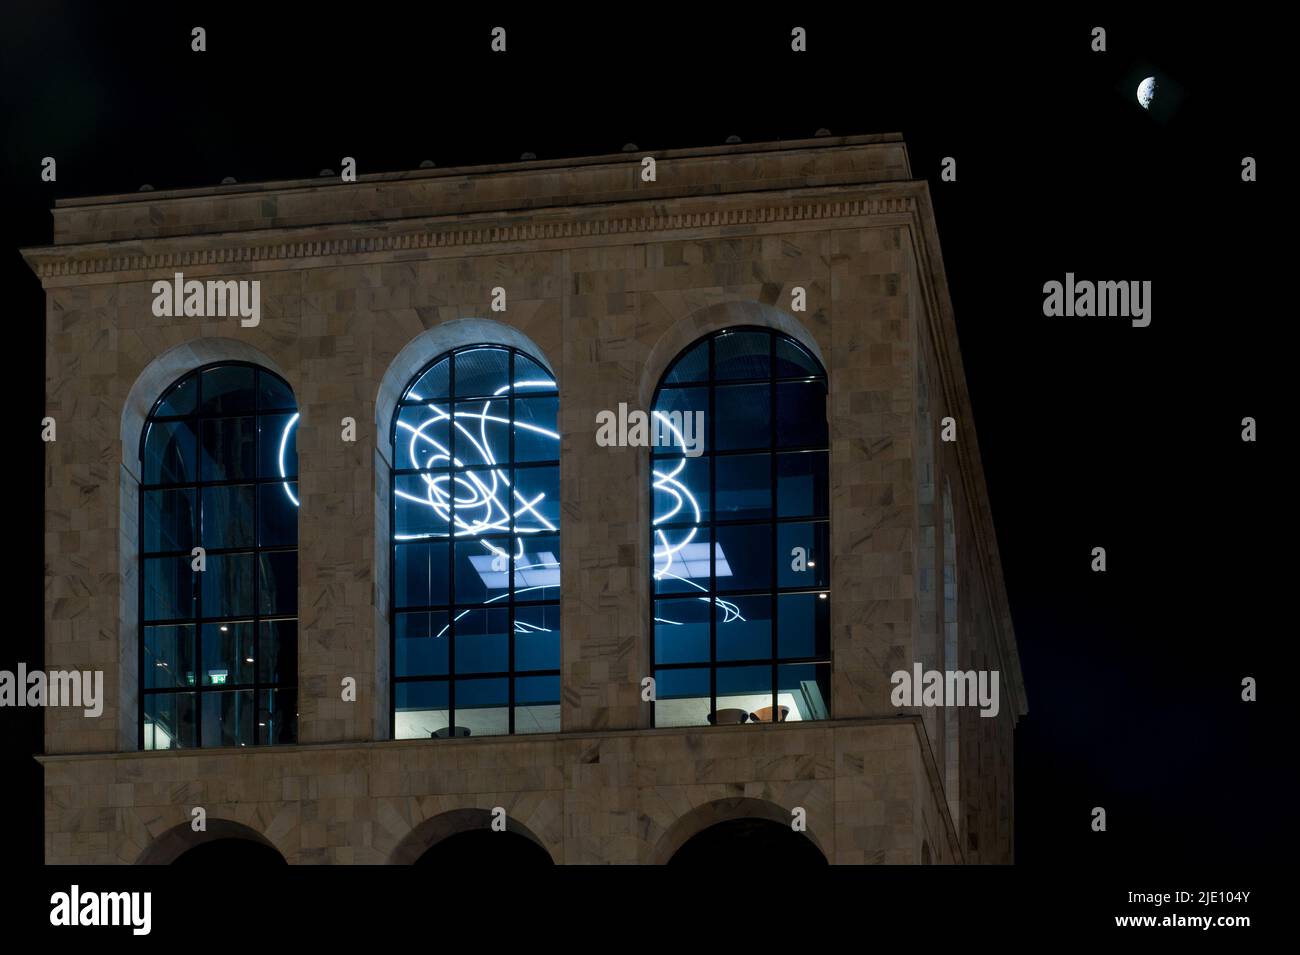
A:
(740, 533)
(475, 583)
(218, 628)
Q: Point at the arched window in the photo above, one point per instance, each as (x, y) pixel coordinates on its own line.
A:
(219, 562)
(740, 533)
(476, 548)
(952, 714)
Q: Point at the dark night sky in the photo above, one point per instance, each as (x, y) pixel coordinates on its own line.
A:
(1092, 432)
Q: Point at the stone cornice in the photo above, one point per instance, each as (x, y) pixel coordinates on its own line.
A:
(284, 247)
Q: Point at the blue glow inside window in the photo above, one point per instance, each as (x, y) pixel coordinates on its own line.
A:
(740, 534)
(476, 549)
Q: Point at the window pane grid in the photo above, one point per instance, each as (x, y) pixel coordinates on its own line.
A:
(221, 703)
(496, 578)
(787, 505)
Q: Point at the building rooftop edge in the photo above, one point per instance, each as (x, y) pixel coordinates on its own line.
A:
(316, 182)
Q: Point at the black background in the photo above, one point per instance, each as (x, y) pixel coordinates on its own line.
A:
(1092, 432)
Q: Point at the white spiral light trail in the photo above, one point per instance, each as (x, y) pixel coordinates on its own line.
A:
(471, 503)
(664, 554)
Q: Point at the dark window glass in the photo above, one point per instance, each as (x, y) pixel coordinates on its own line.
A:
(277, 442)
(805, 555)
(537, 637)
(482, 372)
(682, 630)
(169, 657)
(476, 548)
(219, 645)
(482, 570)
(744, 486)
(228, 390)
(277, 514)
(530, 377)
(228, 449)
(228, 585)
(421, 573)
(803, 625)
(422, 643)
(169, 519)
(228, 717)
(433, 384)
(742, 559)
(740, 536)
(802, 485)
(536, 434)
(277, 717)
(228, 650)
(742, 355)
(277, 659)
(693, 365)
(170, 452)
(181, 399)
(793, 361)
(537, 689)
(168, 720)
(483, 640)
(537, 704)
(744, 627)
(483, 706)
(278, 583)
(228, 515)
(742, 417)
(169, 589)
(801, 414)
(274, 394)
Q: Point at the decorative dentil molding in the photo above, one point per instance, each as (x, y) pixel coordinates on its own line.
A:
(217, 249)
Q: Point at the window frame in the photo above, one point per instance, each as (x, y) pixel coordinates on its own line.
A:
(256, 617)
(453, 608)
(774, 590)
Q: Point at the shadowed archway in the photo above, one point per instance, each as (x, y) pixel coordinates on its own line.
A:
(483, 847)
(224, 843)
(229, 853)
(754, 845)
(465, 837)
(740, 829)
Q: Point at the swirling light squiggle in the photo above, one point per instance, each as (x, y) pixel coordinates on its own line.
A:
(473, 503)
(666, 553)
(284, 441)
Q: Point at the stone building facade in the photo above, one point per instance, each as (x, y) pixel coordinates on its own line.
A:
(609, 277)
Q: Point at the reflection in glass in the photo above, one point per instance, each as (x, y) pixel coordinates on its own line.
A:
(218, 629)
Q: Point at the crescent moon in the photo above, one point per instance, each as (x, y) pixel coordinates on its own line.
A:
(1146, 92)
